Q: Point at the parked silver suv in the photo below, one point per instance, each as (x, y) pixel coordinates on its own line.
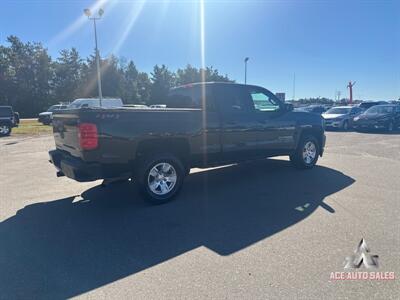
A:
(341, 117)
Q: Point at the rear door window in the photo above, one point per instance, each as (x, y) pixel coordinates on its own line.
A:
(190, 97)
(234, 99)
(356, 110)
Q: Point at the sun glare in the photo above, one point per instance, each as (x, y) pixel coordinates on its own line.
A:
(135, 11)
(202, 37)
(202, 70)
(80, 21)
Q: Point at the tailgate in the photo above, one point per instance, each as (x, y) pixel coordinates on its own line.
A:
(65, 131)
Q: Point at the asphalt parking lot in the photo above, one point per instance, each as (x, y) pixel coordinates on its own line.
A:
(260, 230)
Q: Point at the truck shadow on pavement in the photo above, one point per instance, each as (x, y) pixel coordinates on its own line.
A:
(63, 248)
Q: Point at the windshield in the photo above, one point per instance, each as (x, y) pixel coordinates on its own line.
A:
(53, 108)
(380, 110)
(75, 105)
(82, 102)
(339, 110)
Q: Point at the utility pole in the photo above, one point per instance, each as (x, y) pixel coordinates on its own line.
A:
(88, 13)
(294, 86)
(245, 69)
(337, 95)
(350, 86)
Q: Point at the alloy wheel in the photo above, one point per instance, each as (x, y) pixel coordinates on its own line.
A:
(162, 178)
(309, 152)
(4, 129)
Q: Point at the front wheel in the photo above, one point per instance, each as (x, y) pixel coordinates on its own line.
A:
(306, 154)
(161, 177)
(5, 130)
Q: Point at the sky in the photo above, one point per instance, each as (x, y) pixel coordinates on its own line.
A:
(323, 44)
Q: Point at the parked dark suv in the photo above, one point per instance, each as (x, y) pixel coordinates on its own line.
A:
(379, 117)
(45, 117)
(368, 104)
(316, 109)
(8, 120)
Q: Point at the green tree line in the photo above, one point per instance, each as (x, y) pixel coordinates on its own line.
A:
(31, 81)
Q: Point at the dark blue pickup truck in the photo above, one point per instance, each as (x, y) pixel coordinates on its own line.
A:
(197, 125)
(8, 120)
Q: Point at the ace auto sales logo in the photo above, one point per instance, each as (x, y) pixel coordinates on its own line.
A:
(362, 260)
(361, 256)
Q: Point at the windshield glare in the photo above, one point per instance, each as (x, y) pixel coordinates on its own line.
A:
(305, 108)
(80, 103)
(74, 105)
(52, 108)
(339, 110)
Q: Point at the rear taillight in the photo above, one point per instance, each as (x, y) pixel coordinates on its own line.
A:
(88, 138)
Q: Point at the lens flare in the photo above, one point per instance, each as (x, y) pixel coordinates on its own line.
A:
(202, 38)
(135, 12)
(79, 22)
(203, 77)
(91, 85)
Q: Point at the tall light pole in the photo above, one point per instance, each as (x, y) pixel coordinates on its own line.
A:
(88, 13)
(245, 69)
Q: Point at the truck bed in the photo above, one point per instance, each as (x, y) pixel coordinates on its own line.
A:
(118, 128)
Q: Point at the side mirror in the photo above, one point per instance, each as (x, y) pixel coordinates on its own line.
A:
(16, 117)
(288, 106)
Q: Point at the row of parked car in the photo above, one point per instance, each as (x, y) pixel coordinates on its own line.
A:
(364, 116)
(46, 117)
(10, 119)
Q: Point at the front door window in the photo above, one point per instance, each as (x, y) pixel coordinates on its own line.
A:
(263, 102)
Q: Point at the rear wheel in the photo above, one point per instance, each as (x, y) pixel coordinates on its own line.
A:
(390, 126)
(160, 177)
(5, 130)
(306, 154)
(345, 125)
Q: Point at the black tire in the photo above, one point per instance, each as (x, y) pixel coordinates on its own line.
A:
(298, 159)
(144, 177)
(345, 125)
(390, 126)
(6, 130)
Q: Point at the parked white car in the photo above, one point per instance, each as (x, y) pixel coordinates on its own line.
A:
(341, 117)
(95, 102)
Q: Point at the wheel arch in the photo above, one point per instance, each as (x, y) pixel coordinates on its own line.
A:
(315, 132)
(176, 146)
